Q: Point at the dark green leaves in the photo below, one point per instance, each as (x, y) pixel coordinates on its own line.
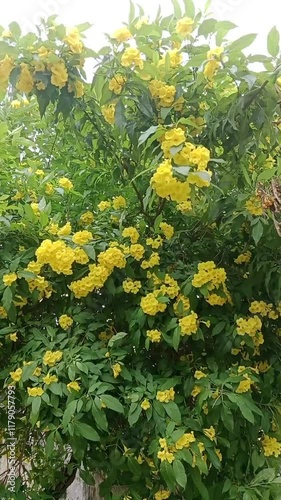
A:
(257, 231)
(179, 473)
(112, 403)
(273, 39)
(173, 411)
(86, 431)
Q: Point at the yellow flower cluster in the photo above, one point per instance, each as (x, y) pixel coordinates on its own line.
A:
(167, 186)
(166, 453)
(117, 369)
(249, 326)
(209, 274)
(189, 324)
(16, 375)
(244, 385)
(80, 256)
(25, 82)
(184, 207)
(117, 83)
(145, 404)
(154, 243)
(189, 154)
(271, 446)
(199, 374)
(112, 257)
(6, 66)
(137, 251)
(122, 35)
(153, 335)
(59, 74)
(167, 230)
(73, 385)
(216, 300)
(9, 279)
(131, 57)
(243, 258)
(82, 237)
(181, 305)
(184, 26)
(150, 305)
(162, 495)
(65, 183)
(261, 307)
(166, 396)
(131, 286)
(108, 112)
(74, 41)
(50, 358)
(65, 321)
(210, 433)
(87, 217)
(164, 94)
(57, 254)
(132, 233)
(254, 205)
(50, 379)
(185, 440)
(95, 279)
(35, 391)
(104, 205)
(119, 202)
(154, 260)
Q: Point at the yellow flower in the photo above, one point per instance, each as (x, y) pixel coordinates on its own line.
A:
(243, 258)
(6, 66)
(13, 337)
(16, 375)
(210, 433)
(162, 495)
(80, 256)
(117, 83)
(153, 335)
(8, 279)
(131, 57)
(271, 446)
(37, 372)
(117, 369)
(137, 251)
(132, 233)
(195, 391)
(143, 20)
(15, 104)
(65, 183)
(165, 455)
(49, 188)
(50, 358)
(249, 326)
(244, 386)
(25, 82)
(122, 35)
(108, 112)
(218, 453)
(59, 74)
(73, 40)
(167, 230)
(145, 404)
(87, 217)
(82, 237)
(3, 313)
(184, 26)
(63, 231)
(104, 205)
(73, 385)
(49, 379)
(130, 286)
(254, 205)
(65, 321)
(35, 391)
(185, 440)
(151, 306)
(215, 53)
(43, 52)
(198, 375)
(189, 324)
(166, 396)
(119, 202)
(211, 68)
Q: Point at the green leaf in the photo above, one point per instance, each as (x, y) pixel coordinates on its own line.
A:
(173, 411)
(208, 26)
(86, 431)
(242, 42)
(177, 8)
(15, 29)
(273, 40)
(69, 412)
(134, 415)
(227, 418)
(115, 338)
(50, 443)
(257, 232)
(133, 466)
(176, 338)
(7, 298)
(144, 135)
(196, 478)
(167, 473)
(246, 412)
(99, 415)
(35, 407)
(264, 476)
(131, 12)
(189, 8)
(112, 403)
(179, 473)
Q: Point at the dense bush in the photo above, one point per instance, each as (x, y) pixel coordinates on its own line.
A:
(140, 260)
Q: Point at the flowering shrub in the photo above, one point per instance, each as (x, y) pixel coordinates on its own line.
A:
(140, 246)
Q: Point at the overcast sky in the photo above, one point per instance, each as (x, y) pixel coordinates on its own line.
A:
(252, 16)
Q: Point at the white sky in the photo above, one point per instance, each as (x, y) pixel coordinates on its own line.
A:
(252, 16)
